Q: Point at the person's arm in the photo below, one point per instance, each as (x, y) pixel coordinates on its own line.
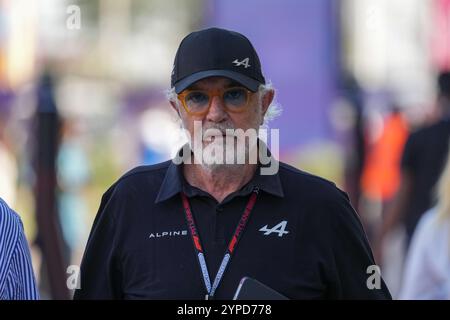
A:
(99, 273)
(355, 274)
(397, 210)
(21, 277)
(394, 214)
(17, 281)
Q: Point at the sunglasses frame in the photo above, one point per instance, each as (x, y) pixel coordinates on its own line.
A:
(211, 94)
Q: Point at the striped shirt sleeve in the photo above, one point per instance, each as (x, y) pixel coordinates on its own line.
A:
(17, 280)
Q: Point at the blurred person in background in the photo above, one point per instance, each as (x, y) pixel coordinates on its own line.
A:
(161, 230)
(8, 164)
(352, 94)
(73, 175)
(427, 266)
(422, 162)
(381, 173)
(17, 280)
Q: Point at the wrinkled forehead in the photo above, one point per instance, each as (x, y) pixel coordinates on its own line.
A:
(214, 83)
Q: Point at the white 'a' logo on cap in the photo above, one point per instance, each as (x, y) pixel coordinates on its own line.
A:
(244, 62)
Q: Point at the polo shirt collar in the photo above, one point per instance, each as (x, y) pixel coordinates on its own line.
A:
(174, 182)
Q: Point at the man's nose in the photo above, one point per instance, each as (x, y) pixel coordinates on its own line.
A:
(216, 112)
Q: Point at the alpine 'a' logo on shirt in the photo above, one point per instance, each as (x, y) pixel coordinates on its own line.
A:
(166, 234)
(279, 229)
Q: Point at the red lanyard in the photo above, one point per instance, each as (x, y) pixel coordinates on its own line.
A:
(231, 246)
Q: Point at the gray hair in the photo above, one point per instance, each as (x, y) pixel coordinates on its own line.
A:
(273, 111)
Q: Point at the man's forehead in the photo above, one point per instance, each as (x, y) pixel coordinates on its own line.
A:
(214, 82)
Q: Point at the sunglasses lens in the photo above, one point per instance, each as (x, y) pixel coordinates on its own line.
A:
(196, 101)
(235, 98)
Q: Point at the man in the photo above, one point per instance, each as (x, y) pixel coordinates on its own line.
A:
(423, 160)
(16, 272)
(193, 229)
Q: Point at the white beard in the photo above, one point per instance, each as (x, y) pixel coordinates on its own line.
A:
(218, 152)
(219, 149)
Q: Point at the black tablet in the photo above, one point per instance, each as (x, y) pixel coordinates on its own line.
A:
(251, 289)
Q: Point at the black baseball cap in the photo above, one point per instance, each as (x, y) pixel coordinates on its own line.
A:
(216, 52)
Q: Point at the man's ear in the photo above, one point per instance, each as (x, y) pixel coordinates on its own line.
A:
(267, 100)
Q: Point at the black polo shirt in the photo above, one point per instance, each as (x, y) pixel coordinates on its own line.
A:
(303, 239)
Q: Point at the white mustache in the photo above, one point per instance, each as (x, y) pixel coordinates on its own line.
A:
(215, 131)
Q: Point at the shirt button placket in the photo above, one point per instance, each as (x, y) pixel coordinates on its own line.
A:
(218, 233)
